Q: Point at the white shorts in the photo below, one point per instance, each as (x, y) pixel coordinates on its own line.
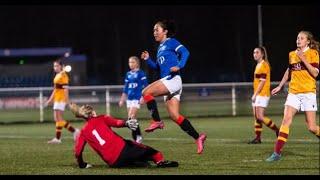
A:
(174, 86)
(133, 103)
(59, 106)
(302, 101)
(261, 101)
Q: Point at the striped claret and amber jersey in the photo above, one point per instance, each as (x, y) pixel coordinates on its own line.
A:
(301, 81)
(262, 72)
(61, 82)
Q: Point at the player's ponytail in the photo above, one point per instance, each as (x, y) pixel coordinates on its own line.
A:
(265, 54)
(313, 43)
(168, 25)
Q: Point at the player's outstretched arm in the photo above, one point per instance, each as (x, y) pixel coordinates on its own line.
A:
(283, 81)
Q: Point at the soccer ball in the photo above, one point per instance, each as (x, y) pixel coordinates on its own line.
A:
(67, 68)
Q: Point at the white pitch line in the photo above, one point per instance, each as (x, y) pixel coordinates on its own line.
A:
(162, 139)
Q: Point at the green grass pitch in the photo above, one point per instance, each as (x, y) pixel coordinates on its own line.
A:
(24, 149)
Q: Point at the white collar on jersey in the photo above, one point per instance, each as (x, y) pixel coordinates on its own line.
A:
(305, 49)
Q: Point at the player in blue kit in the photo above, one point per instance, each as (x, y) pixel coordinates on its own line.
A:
(171, 57)
(135, 81)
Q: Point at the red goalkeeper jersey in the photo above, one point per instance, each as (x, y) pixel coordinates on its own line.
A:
(98, 134)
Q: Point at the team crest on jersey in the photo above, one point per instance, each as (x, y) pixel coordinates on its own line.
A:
(162, 48)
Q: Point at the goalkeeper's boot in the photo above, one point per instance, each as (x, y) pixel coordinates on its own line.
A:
(54, 141)
(200, 142)
(255, 141)
(274, 157)
(155, 125)
(163, 164)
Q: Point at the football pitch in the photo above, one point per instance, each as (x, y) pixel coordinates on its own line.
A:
(24, 149)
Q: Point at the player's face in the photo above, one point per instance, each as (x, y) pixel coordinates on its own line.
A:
(57, 67)
(302, 40)
(257, 54)
(133, 64)
(159, 33)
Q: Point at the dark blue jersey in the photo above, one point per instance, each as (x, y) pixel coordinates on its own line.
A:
(134, 83)
(170, 53)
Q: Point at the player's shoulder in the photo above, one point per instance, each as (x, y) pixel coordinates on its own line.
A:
(266, 64)
(173, 41)
(292, 52)
(313, 52)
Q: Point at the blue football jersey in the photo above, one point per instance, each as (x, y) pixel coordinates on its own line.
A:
(134, 83)
(170, 53)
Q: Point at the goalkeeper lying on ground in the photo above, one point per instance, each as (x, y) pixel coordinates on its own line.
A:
(112, 148)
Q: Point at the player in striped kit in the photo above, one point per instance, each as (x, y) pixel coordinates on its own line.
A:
(60, 98)
(261, 93)
(302, 71)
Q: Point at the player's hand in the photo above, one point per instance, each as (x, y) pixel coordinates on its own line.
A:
(301, 55)
(46, 104)
(120, 103)
(174, 69)
(253, 98)
(132, 124)
(145, 55)
(275, 90)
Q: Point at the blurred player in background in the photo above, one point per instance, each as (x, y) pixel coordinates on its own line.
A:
(171, 57)
(261, 94)
(302, 72)
(112, 148)
(59, 98)
(134, 82)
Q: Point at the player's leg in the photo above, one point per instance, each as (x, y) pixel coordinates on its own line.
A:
(267, 121)
(311, 123)
(155, 89)
(135, 153)
(289, 113)
(309, 105)
(59, 126)
(173, 106)
(60, 122)
(132, 113)
(257, 128)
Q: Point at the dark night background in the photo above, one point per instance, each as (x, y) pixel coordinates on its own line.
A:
(220, 38)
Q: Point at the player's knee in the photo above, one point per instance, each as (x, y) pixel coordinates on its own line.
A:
(144, 91)
(174, 117)
(147, 91)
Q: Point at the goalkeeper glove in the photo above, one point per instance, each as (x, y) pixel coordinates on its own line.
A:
(132, 124)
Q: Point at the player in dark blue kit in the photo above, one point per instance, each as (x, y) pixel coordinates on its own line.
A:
(171, 57)
(135, 81)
